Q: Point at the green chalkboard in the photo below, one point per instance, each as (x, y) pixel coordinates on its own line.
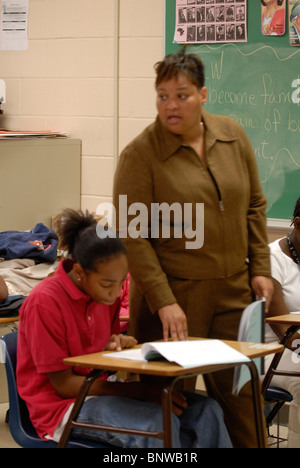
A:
(258, 84)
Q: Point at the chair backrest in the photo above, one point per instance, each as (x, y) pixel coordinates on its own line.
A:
(251, 330)
(19, 421)
(20, 425)
(252, 323)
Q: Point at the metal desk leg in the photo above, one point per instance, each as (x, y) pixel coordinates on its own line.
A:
(276, 360)
(89, 380)
(72, 421)
(167, 415)
(258, 413)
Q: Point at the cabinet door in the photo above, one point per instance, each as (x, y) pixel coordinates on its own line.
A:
(39, 178)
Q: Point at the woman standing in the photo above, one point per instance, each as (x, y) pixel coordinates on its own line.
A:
(189, 157)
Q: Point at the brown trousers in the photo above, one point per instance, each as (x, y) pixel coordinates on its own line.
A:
(213, 309)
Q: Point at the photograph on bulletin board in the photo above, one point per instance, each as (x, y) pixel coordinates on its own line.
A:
(294, 14)
(273, 17)
(210, 21)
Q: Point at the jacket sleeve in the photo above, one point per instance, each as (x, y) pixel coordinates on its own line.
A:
(134, 179)
(259, 252)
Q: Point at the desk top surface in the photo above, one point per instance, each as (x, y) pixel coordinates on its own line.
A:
(288, 319)
(164, 368)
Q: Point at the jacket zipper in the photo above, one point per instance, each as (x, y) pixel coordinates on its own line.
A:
(221, 205)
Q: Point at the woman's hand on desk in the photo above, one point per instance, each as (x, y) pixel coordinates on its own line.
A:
(174, 322)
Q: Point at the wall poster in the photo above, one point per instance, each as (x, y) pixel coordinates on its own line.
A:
(273, 17)
(211, 21)
(294, 17)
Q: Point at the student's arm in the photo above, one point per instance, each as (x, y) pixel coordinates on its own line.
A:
(277, 308)
(3, 290)
(145, 266)
(67, 385)
(259, 252)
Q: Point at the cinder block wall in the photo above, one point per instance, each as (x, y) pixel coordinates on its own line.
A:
(71, 80)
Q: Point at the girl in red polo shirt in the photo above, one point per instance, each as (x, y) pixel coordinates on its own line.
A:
(76, 312)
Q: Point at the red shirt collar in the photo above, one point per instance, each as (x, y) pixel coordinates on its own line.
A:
(64, 267)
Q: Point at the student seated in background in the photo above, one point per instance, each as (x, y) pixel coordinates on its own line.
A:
(285, 261)
(3, 290)
(124, 306)
(76, 312)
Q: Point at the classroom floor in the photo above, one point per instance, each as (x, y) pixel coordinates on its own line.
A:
(6, 440)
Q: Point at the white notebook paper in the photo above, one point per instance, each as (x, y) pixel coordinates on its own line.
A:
(193, 353)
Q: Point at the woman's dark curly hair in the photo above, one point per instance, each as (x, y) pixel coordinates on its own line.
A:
(173, 64)
(297, 209)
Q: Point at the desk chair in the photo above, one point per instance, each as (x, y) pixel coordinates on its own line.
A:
(275, 395)
(20, 425)
(9, 312)
(275, 398)
(252, 329)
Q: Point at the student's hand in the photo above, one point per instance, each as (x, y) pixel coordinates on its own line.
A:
(263, 288)
(179, 402)
(174, 322)
(119, 342)
(153, 394)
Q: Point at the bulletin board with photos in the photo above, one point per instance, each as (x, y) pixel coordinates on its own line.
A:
(217, 21)
(208, 21)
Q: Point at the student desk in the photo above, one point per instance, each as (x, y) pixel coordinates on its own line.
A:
(10, 322)
(292, 321)
(173, 373)
(288, 319)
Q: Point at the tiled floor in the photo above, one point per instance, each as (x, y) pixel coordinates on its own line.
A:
(283, 428)
(6, 440)
(283, 434)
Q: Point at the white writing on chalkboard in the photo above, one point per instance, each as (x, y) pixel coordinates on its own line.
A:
(265, 102)
(296, 94)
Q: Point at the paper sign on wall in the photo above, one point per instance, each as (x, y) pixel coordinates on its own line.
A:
(14, 24)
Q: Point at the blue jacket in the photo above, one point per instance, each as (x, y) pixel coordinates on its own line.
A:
(39, 244)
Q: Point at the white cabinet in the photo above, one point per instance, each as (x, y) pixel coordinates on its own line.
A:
(38, 179)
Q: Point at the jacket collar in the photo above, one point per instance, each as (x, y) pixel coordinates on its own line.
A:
(215, 129)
